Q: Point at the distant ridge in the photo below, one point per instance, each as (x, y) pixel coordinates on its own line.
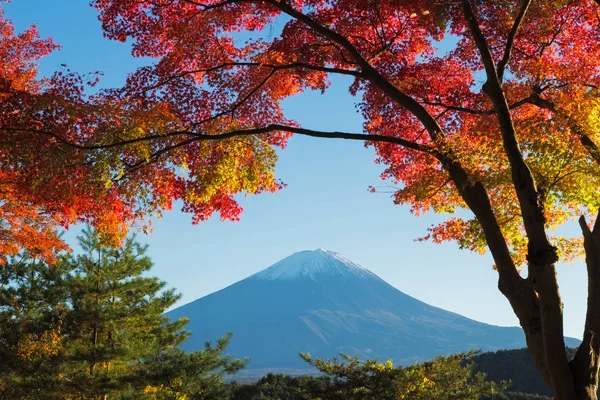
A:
(321, 302)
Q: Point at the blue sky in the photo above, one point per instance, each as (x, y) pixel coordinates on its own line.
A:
(326, 203)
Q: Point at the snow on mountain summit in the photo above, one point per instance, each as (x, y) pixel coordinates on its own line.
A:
(313, 264)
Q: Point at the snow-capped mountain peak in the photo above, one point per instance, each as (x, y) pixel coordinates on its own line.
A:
(312, 265)
(320, 302)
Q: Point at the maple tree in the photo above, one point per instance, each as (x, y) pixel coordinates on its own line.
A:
(20, 224)
(44, 183)
(520, 151)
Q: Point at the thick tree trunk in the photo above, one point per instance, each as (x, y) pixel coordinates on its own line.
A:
(563, 384)
(584, 368)
(586, 364)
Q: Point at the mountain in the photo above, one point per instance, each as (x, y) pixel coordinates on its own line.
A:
(320, 302)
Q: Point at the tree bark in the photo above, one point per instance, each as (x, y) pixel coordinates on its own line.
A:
(94, 344)
(586, 364)
(519, 292)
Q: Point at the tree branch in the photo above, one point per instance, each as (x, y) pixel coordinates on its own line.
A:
(511, 39)
(238, 103)
(587, 142)
(195, 136)
(516, 104)
(541, 252)
(480, 41)
(273, 67)
(367, 70)
(120, 143)
(207, 7)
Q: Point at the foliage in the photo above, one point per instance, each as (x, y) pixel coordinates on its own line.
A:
(93, 325)
(516, 366)
(195, 375)
(32, 312)
(44, 182)
(285, 387)
(211, 85)
(517, 396)
(21, 225)
(513, 367)
(442, 378)
(115, 317)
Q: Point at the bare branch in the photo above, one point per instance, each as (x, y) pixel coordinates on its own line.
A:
(480, 41)
(207, 7)
(99, 146)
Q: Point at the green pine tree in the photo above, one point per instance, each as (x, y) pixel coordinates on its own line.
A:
(93, 327)
(116, 318)
(33, 301)
(192, 376)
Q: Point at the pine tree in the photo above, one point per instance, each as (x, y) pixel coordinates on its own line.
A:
(116, 319)
(32, 310)
(196, 375)
(93, 327)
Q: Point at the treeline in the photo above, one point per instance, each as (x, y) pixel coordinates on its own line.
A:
(444, 378)
(92, 326)
(518, 367)
(513, 371)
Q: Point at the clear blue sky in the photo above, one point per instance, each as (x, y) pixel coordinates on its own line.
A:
(326, 203)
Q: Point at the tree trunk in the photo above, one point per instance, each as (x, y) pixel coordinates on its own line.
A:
(584, 368)
(563, 384)
(94, 343)
(586, 364)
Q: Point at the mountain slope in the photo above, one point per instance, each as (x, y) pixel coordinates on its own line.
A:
(322, 303)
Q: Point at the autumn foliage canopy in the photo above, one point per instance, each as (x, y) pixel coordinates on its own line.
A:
(44, 183)
(150, 138)
(212, 80)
